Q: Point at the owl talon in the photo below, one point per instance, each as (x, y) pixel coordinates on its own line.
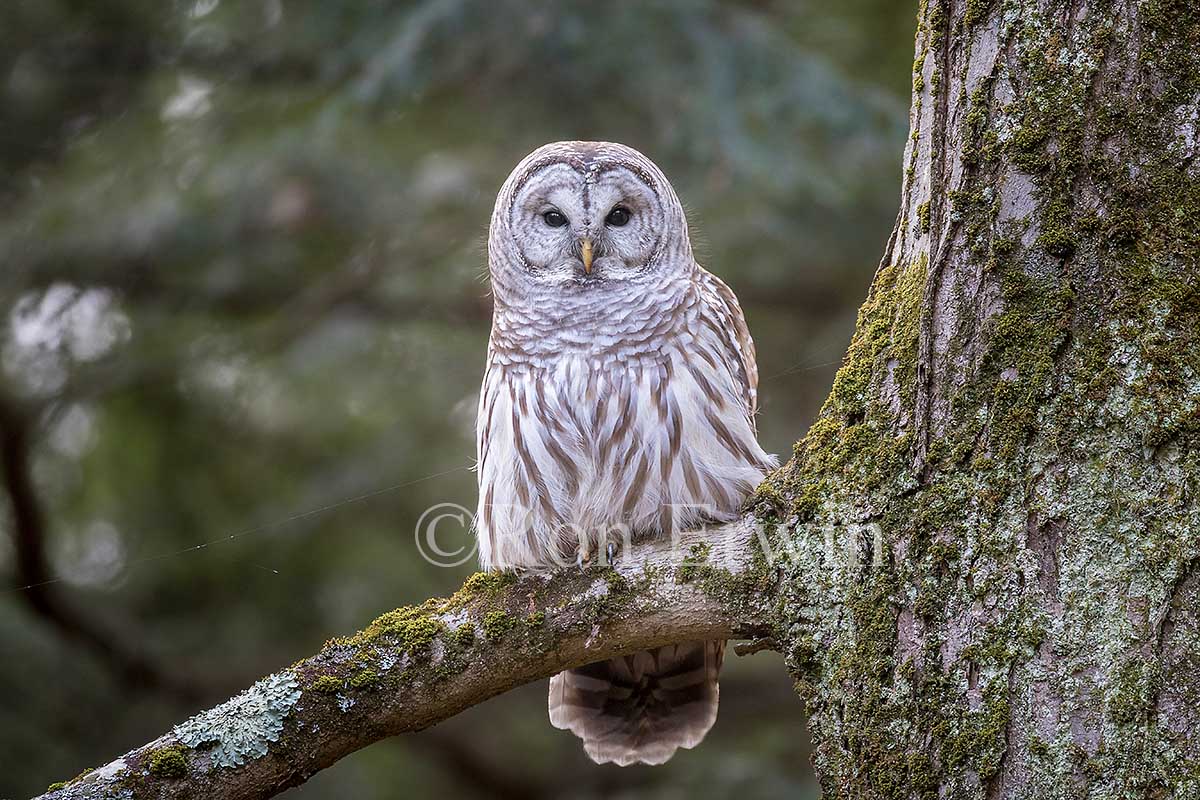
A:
(611, 553)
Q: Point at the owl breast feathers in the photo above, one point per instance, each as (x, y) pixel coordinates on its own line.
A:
(618, 402)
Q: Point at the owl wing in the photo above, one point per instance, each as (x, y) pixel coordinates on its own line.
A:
(721, 312)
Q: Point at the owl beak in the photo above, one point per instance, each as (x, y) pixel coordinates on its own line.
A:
(586, 252)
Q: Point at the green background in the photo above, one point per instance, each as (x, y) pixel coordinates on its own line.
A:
(242, 278)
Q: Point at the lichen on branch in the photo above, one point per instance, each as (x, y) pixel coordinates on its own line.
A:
(417, 665)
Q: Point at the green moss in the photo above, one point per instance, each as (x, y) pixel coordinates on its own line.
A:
(979, 142)
(1003, 247)
(1024, 145)
(1038, 747)
(496, 624)
(980, 739)
(851, 438)
(456, 654)
(63, 785)
(1134, 689)
(937, 21)
(326, 684)
(168, 762)
(923, 216)
(366, 679)
(464, 635)
(808, 500)
(868, 663)
(977, 11)
(1021, 358)
(693, 563)
(1057, 235)
(619, 593)
(616, 582)
(536, 620)
(481, 585)
(739, 591)
(411, 629)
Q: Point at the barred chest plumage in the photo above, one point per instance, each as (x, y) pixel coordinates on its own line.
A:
(627, 437)
(618, 402)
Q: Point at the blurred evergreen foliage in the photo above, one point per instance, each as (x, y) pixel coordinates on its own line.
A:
(242, 260)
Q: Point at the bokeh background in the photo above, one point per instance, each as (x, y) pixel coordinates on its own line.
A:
(243, 320)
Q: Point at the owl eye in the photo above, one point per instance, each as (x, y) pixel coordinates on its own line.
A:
(617, 217)
(555, 218)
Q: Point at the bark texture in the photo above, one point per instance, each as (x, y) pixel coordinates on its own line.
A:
(416, 666)
(1013, 432)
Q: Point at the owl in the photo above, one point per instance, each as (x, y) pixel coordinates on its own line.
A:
(618, 403)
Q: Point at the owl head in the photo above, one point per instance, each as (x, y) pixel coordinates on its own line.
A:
(576, 217)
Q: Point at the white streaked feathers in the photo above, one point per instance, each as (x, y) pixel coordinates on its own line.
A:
(611, 402)
(642, 427)
(617, 402)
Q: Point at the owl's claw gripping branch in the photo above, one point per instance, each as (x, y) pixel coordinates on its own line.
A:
(418, 665)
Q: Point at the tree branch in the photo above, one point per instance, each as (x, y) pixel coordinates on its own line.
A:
(416, 666)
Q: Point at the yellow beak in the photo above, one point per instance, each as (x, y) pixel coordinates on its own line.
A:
(586, 246)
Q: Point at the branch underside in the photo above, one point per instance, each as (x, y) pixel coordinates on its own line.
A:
(416, 666)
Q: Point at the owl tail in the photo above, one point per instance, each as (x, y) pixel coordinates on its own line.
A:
(639, 709)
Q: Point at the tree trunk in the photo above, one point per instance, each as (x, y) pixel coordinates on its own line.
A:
(993, 590)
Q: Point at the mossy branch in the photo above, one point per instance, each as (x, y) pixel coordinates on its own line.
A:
(418, 665)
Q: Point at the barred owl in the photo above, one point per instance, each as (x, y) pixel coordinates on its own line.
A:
(618, 402)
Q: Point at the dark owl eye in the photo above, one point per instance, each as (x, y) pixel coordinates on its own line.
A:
(555, 218)
(617, 217)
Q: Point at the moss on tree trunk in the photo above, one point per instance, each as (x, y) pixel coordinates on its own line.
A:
(994, 522)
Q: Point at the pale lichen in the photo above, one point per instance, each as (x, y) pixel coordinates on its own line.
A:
(243, 728)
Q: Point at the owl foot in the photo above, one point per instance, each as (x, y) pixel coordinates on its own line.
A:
(582, 556)
(611, 553)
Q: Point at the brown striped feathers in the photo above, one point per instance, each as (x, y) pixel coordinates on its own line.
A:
(618, 402)
(640, 708)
